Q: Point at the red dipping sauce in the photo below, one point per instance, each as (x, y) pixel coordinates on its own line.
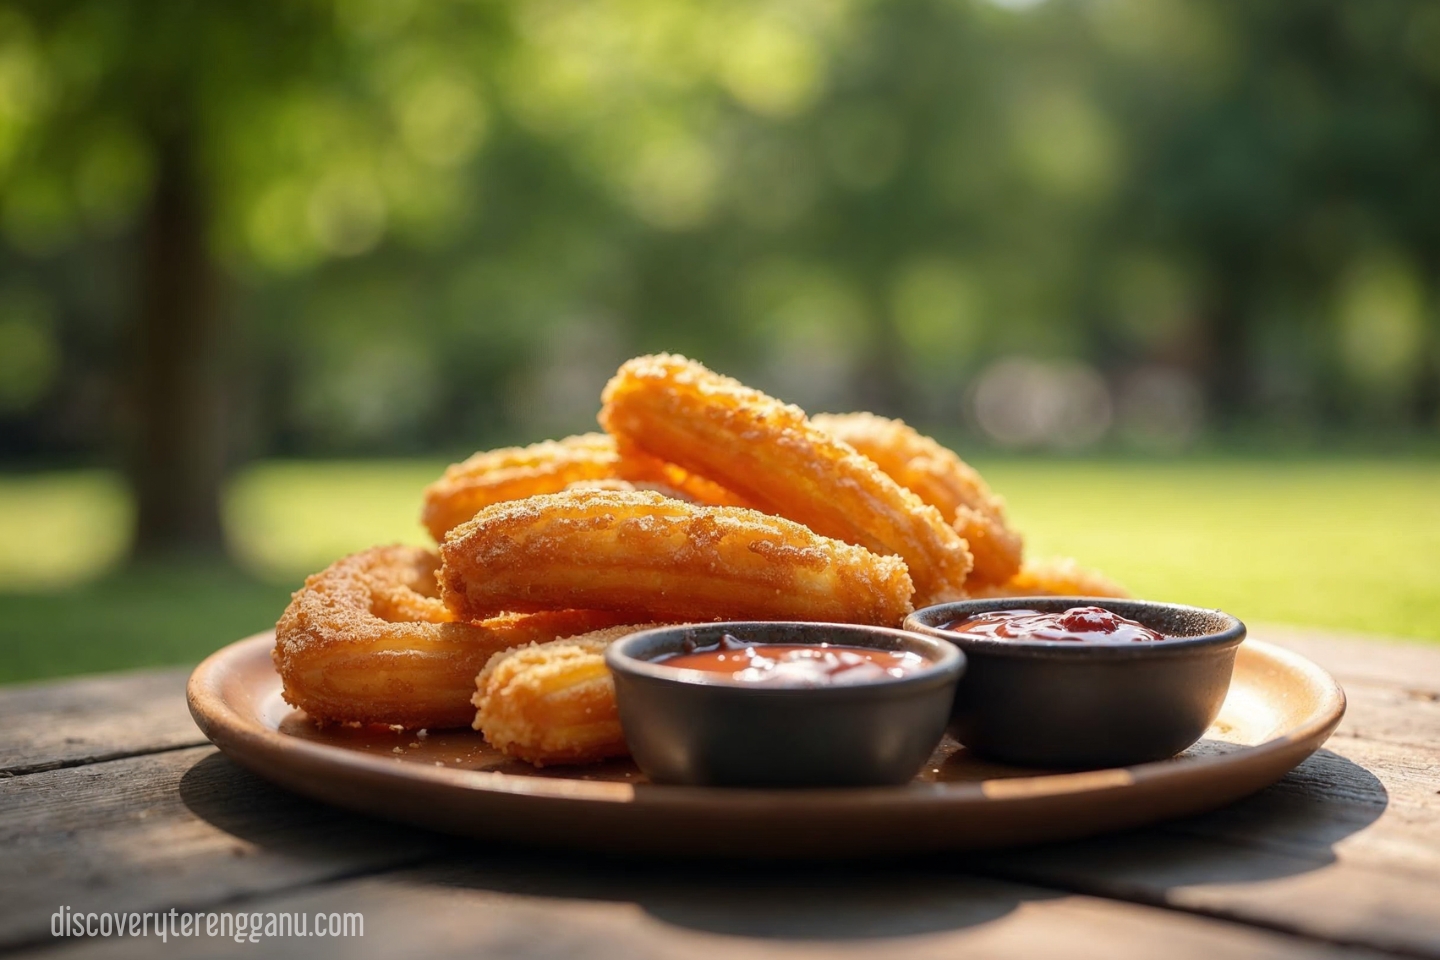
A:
(1078, 624)
(810, 665)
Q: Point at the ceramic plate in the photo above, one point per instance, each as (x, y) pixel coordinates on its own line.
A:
(1280, 709)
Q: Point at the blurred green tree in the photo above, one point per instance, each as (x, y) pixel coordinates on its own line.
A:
(233, 137)
(417, 226)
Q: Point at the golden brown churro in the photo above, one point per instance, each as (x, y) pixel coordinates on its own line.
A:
(1055, 577)
(706, 500)
(938, 476)
(366, 640)
(771, 455)
(512, 473)
(652, 473)
(553, 702)
(646, 557)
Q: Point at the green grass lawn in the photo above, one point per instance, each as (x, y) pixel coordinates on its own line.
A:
(1343, 544)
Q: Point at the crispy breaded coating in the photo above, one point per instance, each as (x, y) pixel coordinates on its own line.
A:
(646, 557)
(553, 702)
(513, 473)
(1056, 577)
(770, 454)
(367, 640)
(704, 500)
(937, 475)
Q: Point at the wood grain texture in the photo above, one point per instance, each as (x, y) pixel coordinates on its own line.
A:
(1345, 848)
(183, 827)
(1354, 657)
(572, 910)
(1345, 851)
(64, 723)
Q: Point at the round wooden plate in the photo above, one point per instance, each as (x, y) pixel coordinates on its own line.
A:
(1280, 709)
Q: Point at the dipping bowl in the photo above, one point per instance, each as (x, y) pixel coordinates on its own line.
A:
(705, 728)
(1072, 705)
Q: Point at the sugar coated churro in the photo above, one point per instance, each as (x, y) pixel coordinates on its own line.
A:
(648, 557)
(367, 640)
(1055, 577)
(770, 454)
(553, 702)
(514, 472)
(938, 476)
(704, 500)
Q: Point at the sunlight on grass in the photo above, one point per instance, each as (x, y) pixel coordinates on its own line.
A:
(289, 519)
(58, 529)
(146, 616)
(1345, 545)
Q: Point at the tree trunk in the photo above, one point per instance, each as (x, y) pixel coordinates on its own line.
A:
(1227, 361)
(884, 385)
(177, 449)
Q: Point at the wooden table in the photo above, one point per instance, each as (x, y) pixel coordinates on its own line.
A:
(111, 800)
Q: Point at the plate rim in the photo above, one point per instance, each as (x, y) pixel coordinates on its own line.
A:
(225, 726)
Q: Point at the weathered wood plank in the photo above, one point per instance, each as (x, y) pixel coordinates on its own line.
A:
(1373, 801)
(1354, 657)
(509, 907)
(50, 725)
(174, 828)
(69, 722)
(1390, 714)
(1341, 903)
(189, 828)
(1346, 848)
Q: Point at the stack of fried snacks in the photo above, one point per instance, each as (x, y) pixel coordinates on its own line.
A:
(495, 476)
(940, 478)
(774, 457)
(704, 500)
(643, 556)
(1055, 577)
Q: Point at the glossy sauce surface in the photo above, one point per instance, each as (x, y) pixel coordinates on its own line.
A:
(809, 665)
(1078, 624)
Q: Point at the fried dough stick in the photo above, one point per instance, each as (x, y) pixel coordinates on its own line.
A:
(1055, 577)
(513, 473)
(771, 455)
(938, 476)
(553, 702)
(646, 557)
(366, 640)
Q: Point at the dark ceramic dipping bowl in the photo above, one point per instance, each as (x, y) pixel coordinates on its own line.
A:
(699, 727)
(1066, 704)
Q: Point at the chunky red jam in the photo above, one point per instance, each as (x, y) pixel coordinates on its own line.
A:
(1079, 624)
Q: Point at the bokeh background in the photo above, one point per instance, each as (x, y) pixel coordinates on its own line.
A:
(1164, 269)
